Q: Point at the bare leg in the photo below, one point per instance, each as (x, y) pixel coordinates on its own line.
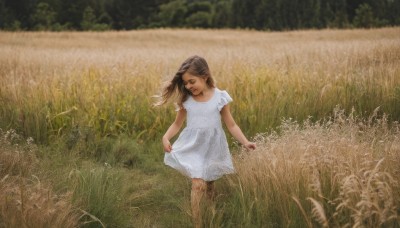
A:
(210, 190)
(198, 189)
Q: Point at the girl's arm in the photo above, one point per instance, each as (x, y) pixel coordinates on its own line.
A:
(234, 129)
(173, 129)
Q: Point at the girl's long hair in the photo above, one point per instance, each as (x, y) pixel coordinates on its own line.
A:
(195, 65)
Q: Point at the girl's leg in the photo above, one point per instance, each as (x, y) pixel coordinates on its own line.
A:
(210, 190)
(198, 189)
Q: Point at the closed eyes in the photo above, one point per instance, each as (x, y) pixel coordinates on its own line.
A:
(192, 81)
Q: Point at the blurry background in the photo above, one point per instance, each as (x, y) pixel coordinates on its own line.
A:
(57, 15)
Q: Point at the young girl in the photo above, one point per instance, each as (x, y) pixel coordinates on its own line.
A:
(201, 151)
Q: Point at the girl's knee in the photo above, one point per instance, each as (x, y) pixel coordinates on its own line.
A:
(198, 185)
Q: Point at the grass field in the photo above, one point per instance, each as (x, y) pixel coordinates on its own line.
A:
(80, 140)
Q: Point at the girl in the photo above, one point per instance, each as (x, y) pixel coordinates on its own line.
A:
(201, 151)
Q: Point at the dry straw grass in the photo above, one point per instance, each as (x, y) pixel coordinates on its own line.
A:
(341, 172)
(24, 200)
(53, 82)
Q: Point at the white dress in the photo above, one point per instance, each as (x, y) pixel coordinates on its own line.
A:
(201, 150)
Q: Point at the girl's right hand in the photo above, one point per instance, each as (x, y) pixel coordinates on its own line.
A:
(167, 145)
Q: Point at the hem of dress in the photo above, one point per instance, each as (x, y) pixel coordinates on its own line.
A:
(205, 179)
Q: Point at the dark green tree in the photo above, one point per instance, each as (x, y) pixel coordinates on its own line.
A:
(364, 17)
(311, 14)
(199, 6)
(274, 9)
(243, 11)
(88, 19)
(199, 19)
(199, 14)
(222, 14)
(71, 13)
(261, 14)
(172, 14)
(131, 14)
(340, 19)
(18, 13)
(393, 12)
(44, 17)
(5, 17)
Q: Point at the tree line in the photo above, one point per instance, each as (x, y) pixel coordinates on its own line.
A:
(276, 15)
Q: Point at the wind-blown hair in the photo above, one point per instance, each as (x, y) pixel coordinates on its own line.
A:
(196, 66)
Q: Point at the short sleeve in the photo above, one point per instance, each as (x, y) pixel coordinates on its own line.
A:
(224, 99)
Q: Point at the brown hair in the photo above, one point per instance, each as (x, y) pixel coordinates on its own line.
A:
(195, 65)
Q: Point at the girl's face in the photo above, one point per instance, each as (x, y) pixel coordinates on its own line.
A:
(196, 85)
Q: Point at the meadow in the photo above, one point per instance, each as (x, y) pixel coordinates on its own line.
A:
(80, 139)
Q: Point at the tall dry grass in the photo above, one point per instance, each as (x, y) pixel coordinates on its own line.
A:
(38, 189)
(339, 172)
(100, 84)
(26, 201)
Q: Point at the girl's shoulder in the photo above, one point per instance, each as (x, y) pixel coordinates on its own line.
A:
(217, 90)
(223, 98)
(222, 93)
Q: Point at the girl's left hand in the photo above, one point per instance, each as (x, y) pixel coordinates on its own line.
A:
(250, 145)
